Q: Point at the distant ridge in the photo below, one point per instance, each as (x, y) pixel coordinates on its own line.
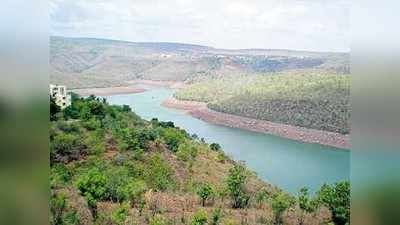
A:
(94, 62)
(193, 45)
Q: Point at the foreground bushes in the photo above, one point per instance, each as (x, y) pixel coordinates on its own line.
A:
(114, 158)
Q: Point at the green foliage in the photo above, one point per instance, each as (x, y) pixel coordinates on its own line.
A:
(120, 215)
(173, 138)
(186, 152)
(116, 186)
(216, 216)
(262, 196)
(280, 202)
(57, 206)
(65, 147)
(305, 202)
(71, 112)
(199, 218)
(236, 182)
(68, 127)
(92, 124)
(337, 198)
(317, 101)
(59, 175)
(159, 173)
(134, 191)
(157, 220)
(54, 109)
(204, 192)
(221, 157)
(215, 146)
(93, 185)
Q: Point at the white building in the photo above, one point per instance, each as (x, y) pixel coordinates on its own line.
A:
(60, 95)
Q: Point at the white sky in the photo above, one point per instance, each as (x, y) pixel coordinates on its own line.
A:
(319, 25)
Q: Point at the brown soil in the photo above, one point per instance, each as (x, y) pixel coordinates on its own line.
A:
(200, 111)
(108, 91)
(160, 83)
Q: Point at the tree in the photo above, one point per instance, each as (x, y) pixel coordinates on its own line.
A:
(236, 181)
(215, 146)
(54, 109)
(126, 108)
(200, 218)
(92, 186)
(305, 203)
(281, 202)
(173, 138)
(337, 199)
(204, 192)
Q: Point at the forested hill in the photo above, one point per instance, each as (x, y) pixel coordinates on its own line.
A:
(86, 62)
(109, 166)
(311, 100)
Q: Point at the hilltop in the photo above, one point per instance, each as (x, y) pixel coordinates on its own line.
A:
(89, 62)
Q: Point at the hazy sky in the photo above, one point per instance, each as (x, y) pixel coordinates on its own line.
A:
(320, 25)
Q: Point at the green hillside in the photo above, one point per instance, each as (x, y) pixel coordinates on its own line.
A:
(88, 62)
(308, 99)
(109, 166)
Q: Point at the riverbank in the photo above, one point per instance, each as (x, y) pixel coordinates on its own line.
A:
(158, 83)
(133, 86)
(108, 91)
(200, 111)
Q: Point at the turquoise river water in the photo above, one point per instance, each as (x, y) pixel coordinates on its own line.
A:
(286, 163)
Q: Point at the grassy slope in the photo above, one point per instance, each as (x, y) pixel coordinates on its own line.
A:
(312, 100)
(124, 149)
(82, 62)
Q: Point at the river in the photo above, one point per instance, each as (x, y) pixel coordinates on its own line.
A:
(283, 162)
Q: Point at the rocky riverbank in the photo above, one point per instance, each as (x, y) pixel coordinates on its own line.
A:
(200, 110)
(108, 91)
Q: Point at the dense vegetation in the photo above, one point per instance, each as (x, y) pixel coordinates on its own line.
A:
(312, 100)
(108, 166)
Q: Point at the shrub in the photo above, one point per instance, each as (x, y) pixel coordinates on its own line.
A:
(221, 157)
(95, 142)
(117, 180)
(68, 127)
(59, 175)
(135, 191)
(71, 112)
(204, 192)
(216, 216)
(157, 220)
(57, 206)
(236, 181)
(281, 202)
(337, 198)
(93, 183)
(173, 138)
(186, 152)
(199, 218)
(261, 196)
(92, 124)
(65, 147)
(158, 173)
(215, 146)
(120, 214)
(305, 203)
(54, 109)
